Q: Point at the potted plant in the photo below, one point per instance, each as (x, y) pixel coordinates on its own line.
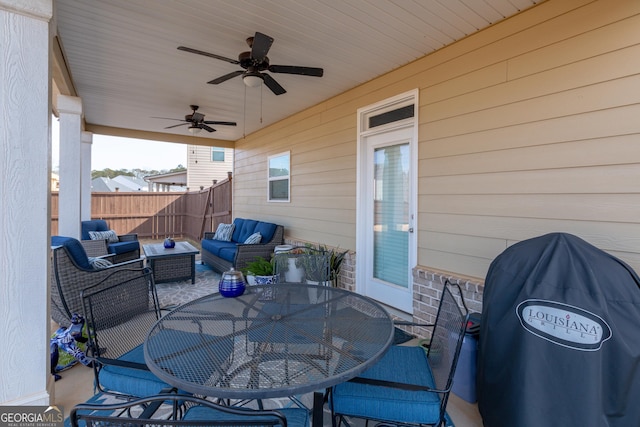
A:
(289, 264)
(262, 270)
(318, 270)
(335, 263)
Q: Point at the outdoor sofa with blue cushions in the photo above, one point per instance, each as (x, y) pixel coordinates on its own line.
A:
(125, 247)
(221, 255)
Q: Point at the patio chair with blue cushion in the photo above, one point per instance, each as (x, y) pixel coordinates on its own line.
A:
(124, 247)
(410, 385)
(119, 312)
(179, 410)
(72, 270)
(119, 317)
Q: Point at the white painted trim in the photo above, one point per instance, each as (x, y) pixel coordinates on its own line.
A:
(361, 165)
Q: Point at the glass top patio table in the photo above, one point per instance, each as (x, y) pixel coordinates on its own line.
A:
(272, 341)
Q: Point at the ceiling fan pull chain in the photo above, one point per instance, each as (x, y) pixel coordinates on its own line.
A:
(244, 113)
(261, 89)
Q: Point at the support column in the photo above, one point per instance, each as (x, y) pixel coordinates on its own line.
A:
(25, 200)
(85, 178)
(70, 110)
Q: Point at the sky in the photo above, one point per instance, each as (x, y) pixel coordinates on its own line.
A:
(125, 153)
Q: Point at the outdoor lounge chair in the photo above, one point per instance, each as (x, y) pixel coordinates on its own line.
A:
(124, 247)
(180, 410)
(409, 385)
(72, 271)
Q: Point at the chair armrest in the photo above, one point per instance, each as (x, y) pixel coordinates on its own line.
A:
(108, 257)
(209, 235)
(131, 237)
(133, 263)
(247, 253)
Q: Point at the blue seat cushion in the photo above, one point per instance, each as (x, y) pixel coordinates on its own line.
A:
(296, 417)
(123, 247)
(93, 225)
(135, 382)
(75, 249)
(215, 246)
(228, 253)
(403, 364)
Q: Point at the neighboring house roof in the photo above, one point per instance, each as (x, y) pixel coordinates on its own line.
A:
(131, 182)
(119, 183)
(102, 184)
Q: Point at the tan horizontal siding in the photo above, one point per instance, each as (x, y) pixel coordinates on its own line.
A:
(526, 128)
(622, 178)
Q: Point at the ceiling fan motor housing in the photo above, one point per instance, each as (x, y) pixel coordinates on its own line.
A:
(246, 62)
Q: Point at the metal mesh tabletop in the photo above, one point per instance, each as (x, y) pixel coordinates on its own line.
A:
(273, 341)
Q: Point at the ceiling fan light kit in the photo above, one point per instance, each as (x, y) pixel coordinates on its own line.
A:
(194, 130)
(252, 79)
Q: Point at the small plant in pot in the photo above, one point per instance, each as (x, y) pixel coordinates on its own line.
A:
(317, 269)
(288, 265)
(335, 263)
(262, 269)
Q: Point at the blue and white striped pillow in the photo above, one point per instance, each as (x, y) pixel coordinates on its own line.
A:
(254, 238)
(109, 235)
(224, 232)
(99, 263)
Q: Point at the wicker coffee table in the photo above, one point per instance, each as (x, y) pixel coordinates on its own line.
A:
(169, 265)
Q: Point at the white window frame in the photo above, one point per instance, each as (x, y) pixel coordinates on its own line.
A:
(218, 150)
(279, 178)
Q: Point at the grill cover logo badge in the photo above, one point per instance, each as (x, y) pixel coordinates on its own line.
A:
(563, 324)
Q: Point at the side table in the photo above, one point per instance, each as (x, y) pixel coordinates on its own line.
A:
(172, 264)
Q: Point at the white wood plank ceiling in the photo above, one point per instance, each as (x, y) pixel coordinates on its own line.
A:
(125, 65)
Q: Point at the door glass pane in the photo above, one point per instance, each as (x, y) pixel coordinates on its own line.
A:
(391, 214)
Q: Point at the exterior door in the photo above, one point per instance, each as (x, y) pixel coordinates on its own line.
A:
(388, 217)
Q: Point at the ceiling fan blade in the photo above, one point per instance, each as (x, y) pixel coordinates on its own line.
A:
(261, 45)
(197, 117)
(273, 85)
(205, 127)
(292, 69)
(226, 77)
(214, 122)
(181, 124)
(210, 55)
(168, 118)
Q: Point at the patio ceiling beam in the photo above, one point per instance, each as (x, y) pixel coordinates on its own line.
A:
(62, 81)
(158, 136)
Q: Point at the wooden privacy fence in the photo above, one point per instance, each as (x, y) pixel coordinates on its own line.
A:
(159, 215)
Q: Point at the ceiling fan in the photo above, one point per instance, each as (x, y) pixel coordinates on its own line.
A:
(254, 62)
(197, 122)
